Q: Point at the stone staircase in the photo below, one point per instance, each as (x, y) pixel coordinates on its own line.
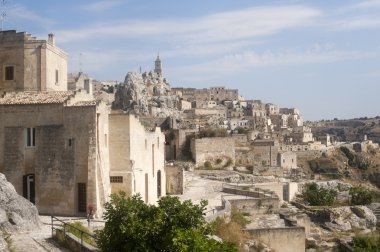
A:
(376, 212)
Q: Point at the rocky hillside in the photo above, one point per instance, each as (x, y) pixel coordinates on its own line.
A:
(16, 213)
(348, 130)
(146, 94)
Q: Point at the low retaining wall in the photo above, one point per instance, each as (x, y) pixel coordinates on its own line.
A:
(284, 239)
(73, 242)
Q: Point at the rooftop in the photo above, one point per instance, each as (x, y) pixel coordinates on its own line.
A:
(34, 97)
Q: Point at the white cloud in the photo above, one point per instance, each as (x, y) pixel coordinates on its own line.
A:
(101, 5)
(355, 23)
(247, 61)
(368, 4)
(225, 26)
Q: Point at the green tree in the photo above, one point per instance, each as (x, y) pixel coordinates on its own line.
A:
(318, 196)
(360, 196)
(132, 225)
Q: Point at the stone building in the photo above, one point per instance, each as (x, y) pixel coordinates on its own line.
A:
(202, 97)
(206, 149)
(287, 160)
(136, 157)
(54, 150)
(265, 152)
(80, 80)
(29, 64)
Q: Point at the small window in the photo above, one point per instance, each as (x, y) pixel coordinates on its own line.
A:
(9, 73)
(146, 144)
(116, 179)
(105, 140)
(69, 143)
(30, 137)
(56, 77)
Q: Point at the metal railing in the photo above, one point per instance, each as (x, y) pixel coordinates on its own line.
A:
(57, 224)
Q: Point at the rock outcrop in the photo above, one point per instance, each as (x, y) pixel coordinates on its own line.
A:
(350, 218)
(16, 213)
(146, 94)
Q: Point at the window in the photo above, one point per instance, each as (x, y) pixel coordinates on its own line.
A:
(56, 77)
(105, 140)
(30, 137)
(9, 73)
(116, 179)
(69, 143)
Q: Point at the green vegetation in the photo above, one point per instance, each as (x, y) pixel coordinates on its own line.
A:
(232, 230)
(348, 154)
(241, 130)
(132, 225)
(209, 132)
(360, 196)
(317, 196)
(76, 227)
(366, 244)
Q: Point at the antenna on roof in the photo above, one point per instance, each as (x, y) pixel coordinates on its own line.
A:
(3, 13)
(80, 62)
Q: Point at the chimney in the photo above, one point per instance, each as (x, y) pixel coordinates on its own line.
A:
(51, 39)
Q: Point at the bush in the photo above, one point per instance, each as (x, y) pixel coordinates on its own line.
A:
(228, 163)
(172, 225)
(360, 196)
(218, 161)
(366, 244)
(208, 165)
(239, 217)
(316, 196)
(211, 132)
(348, 154)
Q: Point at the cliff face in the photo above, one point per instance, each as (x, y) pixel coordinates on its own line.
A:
(146, 94)
(16, 212)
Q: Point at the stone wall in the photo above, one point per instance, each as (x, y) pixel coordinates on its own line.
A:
(285, 239)
(137, 155)
(210, 148)
(35, 63)
(66, 153)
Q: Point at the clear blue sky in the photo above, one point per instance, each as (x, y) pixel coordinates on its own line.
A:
(320, 56)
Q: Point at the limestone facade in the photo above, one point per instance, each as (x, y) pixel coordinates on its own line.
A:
(53, 149)
(29, 64)
(205, 149)
(136, 157)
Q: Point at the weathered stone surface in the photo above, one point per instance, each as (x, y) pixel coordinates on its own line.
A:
(146, 94)
(16, 213)
(348, 218)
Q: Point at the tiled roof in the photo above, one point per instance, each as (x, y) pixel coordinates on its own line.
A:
(30, 97)
(84, 103)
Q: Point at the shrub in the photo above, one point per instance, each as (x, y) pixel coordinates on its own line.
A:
(348, 154)
(172, 225)
(366, 244)
(239, 217)
(360, 196)
(317, 196)
(208, 165)
(218, 161)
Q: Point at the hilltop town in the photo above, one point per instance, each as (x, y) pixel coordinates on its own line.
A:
(68, 141)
